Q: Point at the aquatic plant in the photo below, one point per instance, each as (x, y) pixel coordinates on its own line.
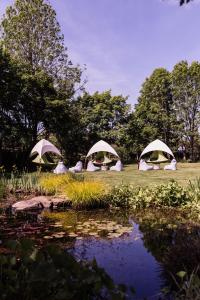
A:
(85, 225)
(52, 273)
(67, 219)
(86, 194)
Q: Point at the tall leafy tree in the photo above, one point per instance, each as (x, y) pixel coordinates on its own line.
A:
(49, 79)
(103, 116)
(186, 95)
(23, 102)
(154, 112)
(10, 89)
(32, 35)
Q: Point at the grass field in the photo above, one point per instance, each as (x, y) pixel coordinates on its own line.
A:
(184, 173)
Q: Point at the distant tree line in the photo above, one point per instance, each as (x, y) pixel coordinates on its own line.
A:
(42, 95)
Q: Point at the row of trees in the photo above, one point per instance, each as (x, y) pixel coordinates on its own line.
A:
(42, 95)
(168, 108)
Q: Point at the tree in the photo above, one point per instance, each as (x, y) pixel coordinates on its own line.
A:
(184, 1)
(10, 89)
(103, 116)
(186, 95)
(63, 120)
(49, 80)
(154, 111)
(32, 36)
(23, 101)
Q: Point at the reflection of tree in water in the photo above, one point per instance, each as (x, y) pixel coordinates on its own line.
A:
(172, 240)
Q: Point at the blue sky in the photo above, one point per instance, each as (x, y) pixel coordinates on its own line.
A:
(122, 41)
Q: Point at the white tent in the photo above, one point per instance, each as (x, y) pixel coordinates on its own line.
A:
(44, 146)
(157, 145)
(102, 146)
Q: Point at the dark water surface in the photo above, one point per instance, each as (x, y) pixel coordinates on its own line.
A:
(139, 249)
(126, 260)
(160, 243)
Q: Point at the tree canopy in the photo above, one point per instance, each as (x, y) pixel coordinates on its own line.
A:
(154, 111)
(37, 41)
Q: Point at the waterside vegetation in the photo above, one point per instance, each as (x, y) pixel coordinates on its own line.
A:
(82, 192)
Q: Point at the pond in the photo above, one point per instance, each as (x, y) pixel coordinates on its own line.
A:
(139, 249)
(125, 259)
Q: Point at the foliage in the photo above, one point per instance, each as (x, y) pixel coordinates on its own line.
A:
(154, 114)
(189, 287)
(186, 95)
(23, 105)
(37, 29)
(52, 273)
(11, 125)
(55, 184)
(38, 82)
(103, 116)
(193, 206)
(169, 195)
(86, 194)
(120, 195)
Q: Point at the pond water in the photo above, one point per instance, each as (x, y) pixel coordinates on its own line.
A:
(138, 249)
(126, 260)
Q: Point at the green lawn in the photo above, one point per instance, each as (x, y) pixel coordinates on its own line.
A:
(185, 172)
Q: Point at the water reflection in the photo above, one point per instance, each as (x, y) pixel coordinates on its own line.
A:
(161, 243)
(172, 240)
(126, 260)
(140, 249)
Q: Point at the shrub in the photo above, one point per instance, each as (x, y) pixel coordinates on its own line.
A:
(120, 196)
(170, 194)
(55, 184)
(86, 194)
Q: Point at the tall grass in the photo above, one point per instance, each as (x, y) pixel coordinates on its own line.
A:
(55, 184)
(2, 190)
(86, 194)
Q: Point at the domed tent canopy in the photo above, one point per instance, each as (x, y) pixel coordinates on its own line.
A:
(159, 146)
(44, 146)
(102, 146)
(41, 148)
